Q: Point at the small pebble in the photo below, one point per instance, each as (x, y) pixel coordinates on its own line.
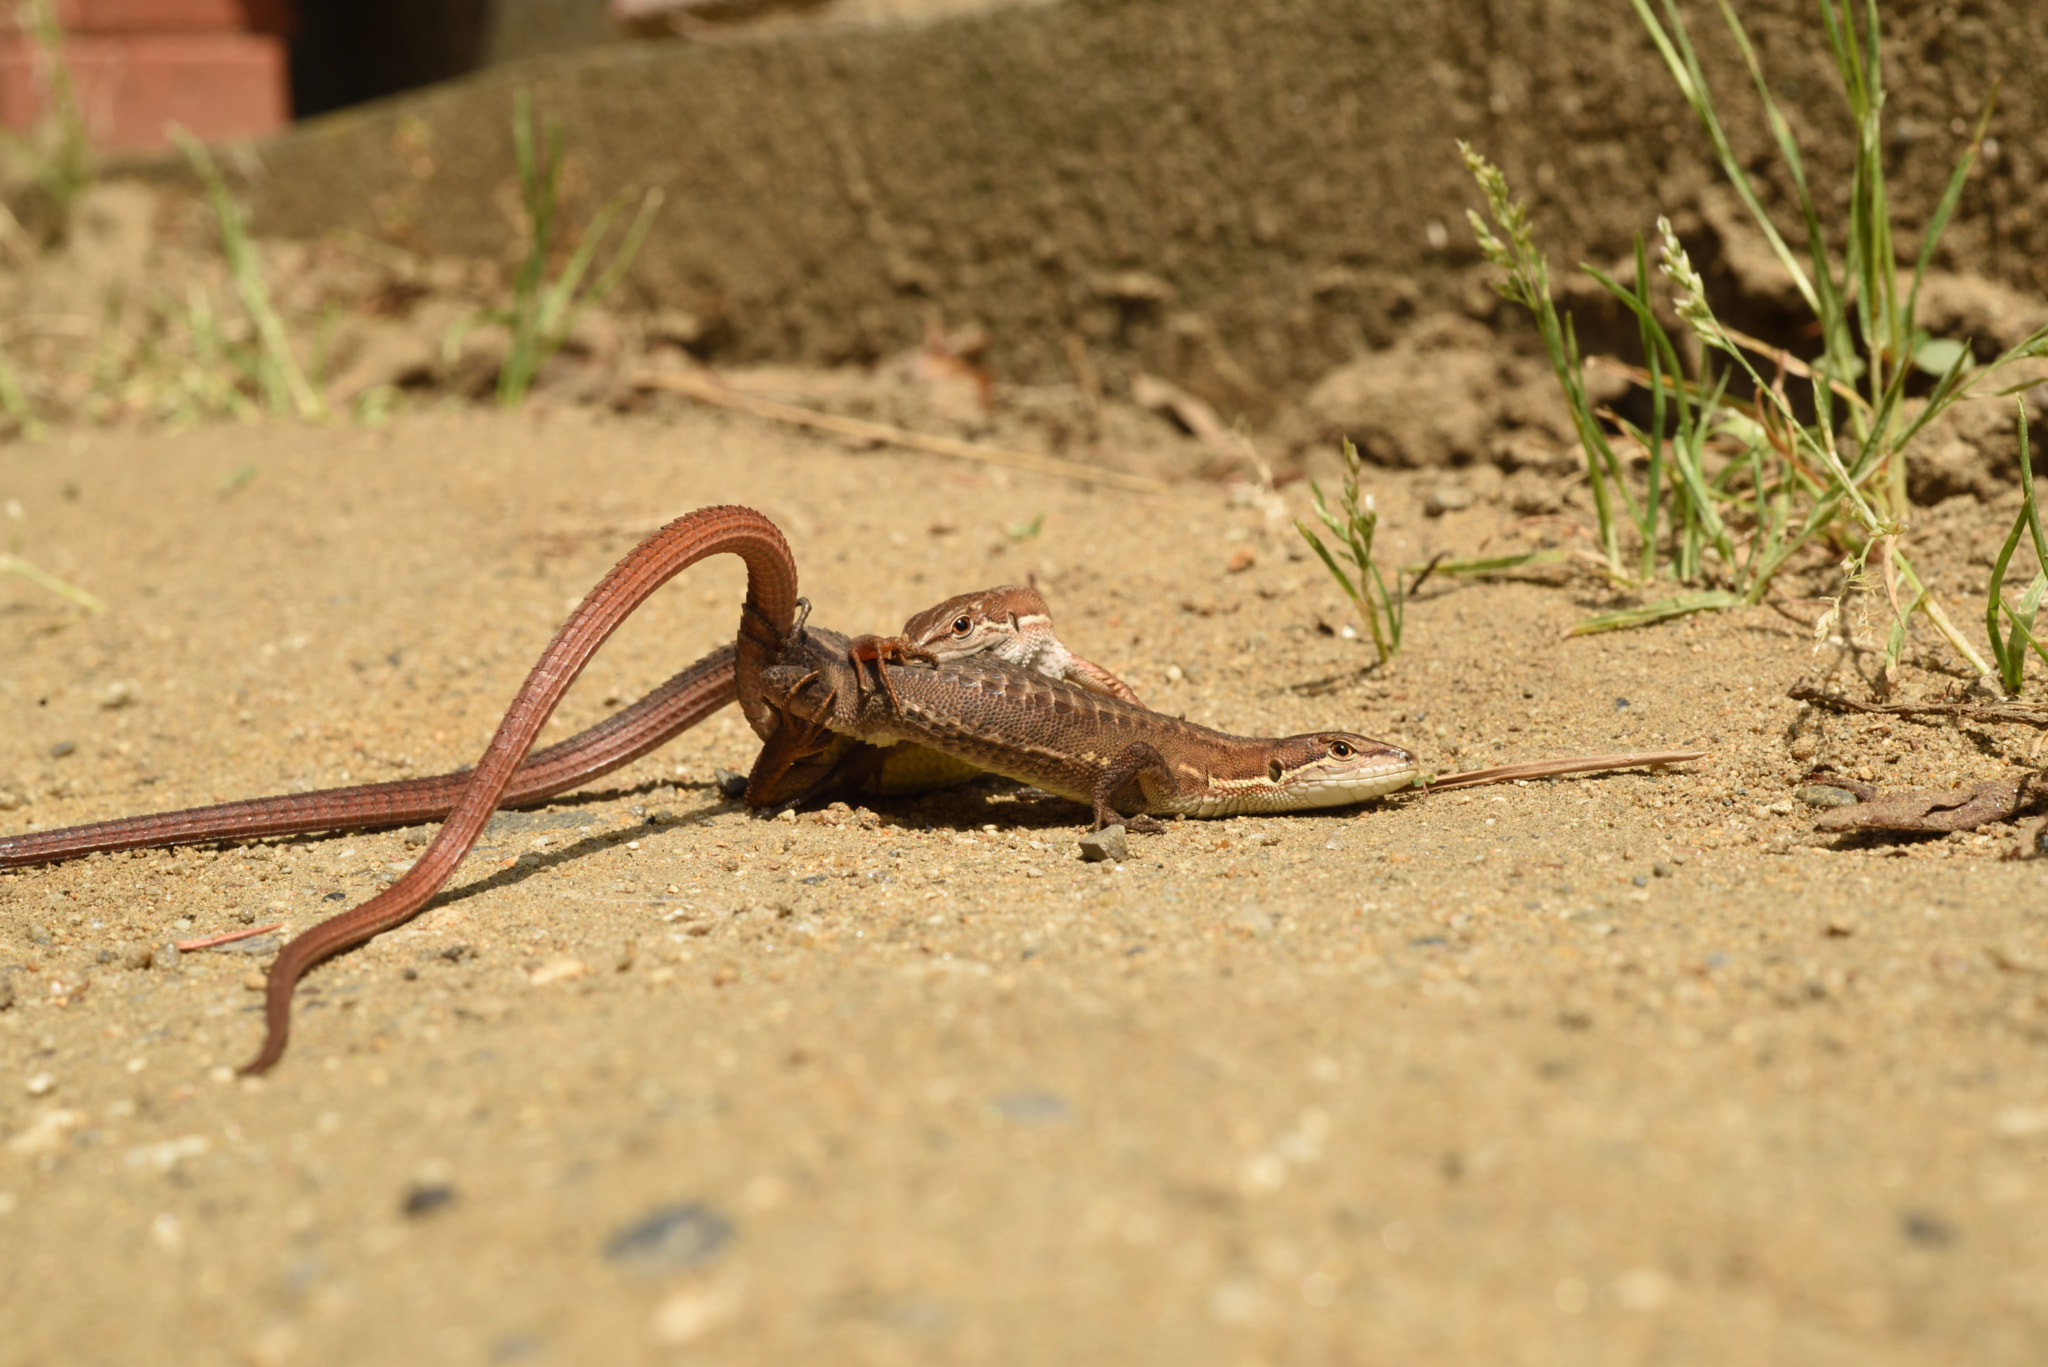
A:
(252, 982)
(1662, 870)
(118, 694)
(1804, 748)
(557, 970)
(9, 800)
(731, 786)
(164, 956)
(255, 944)
(1926, 1229)
(1033, 1107)
(694, 1311)
(42, 1084)
(1821, 795)
(1446, 498)
(63, 748)
(670, 1239)
(424, 1198)
(1107, 843)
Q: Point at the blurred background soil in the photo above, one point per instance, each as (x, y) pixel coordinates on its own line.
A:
(1629, 1069)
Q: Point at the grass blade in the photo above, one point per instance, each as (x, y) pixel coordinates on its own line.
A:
(1663, 610)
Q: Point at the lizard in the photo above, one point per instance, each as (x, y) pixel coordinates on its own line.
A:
(996, 715)
(1011, 621)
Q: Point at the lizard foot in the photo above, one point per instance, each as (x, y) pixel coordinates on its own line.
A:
(874, 651)
(1125, 774)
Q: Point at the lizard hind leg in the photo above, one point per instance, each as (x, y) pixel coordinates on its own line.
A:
(1096, 679)
(1124, 776)
(787, 759)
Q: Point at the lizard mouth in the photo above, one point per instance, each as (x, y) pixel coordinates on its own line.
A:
(1360, 779)
(1328, 782)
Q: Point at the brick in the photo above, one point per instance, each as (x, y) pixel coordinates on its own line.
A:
(219, 85)
(162, 16)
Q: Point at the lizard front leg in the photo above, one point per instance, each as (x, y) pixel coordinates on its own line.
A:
(871, 652)
(1133, 764)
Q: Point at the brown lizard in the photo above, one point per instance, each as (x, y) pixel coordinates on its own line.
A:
(995, 715)
(1010, 622)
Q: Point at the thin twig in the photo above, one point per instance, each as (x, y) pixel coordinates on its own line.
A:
(718, 395)
(2018, 714)
(1547, 768)
(14, 564)
(247, 933)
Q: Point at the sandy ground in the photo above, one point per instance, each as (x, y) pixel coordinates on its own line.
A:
(1622, 1070)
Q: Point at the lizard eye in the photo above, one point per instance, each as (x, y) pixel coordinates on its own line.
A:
(962, 625)
(1340, 749)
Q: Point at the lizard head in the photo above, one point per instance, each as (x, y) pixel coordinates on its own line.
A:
(973, 622)
(1334, 769)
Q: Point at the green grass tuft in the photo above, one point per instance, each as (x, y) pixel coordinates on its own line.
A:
(2011, 626)
(543, 312)
(1729, 491)
(1352, 527)
(279, 380)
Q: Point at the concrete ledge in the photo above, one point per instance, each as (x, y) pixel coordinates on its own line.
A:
(1236, 193)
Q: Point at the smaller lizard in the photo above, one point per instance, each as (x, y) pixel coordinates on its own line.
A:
(1010, 622)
